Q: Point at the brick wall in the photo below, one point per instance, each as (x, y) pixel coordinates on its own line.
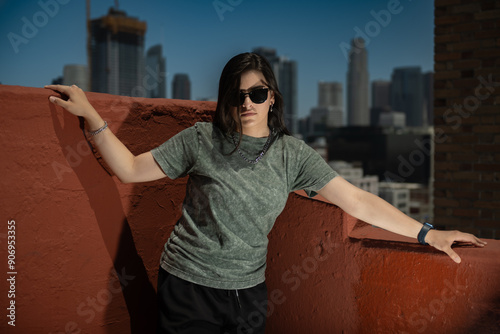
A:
(467, 116)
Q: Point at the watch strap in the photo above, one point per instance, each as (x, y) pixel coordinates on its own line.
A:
(423, 232)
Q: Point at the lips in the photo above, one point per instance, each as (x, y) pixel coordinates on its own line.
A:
(246, 114)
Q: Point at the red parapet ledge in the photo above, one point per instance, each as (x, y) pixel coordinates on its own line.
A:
(87, 247)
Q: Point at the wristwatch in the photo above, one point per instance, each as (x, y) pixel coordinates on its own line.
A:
(423, 232)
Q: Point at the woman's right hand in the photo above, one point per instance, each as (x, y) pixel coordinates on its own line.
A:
(126, 166)
(77, 102)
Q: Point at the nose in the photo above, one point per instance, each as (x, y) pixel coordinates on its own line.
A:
(247, 101)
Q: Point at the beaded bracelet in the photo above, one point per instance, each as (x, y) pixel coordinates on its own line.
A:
(101, 129)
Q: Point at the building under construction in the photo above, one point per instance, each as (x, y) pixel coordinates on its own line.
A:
(117, 54)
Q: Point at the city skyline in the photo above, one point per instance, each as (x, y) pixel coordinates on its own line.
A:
(313, 34)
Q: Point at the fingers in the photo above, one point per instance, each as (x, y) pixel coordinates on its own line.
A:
(477, 242)
(470, 238)
(443, 241)
(59, 102)
(451, 253)
(66, 91)
(72, 96)
(61, 88)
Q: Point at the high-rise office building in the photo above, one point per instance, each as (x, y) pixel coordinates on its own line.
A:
(381, 100)
(407, 94)
(155, 81)
(117, 54)
(323, 118)
(358, 113)
(76, 75)
(288, 86)
(329, 94)
(329, 112)
(285, 71)
(181, 87)
(428, 82)
(392, 119)
(381, 94)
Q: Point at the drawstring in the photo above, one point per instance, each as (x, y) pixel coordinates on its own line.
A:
(237, 298)
(236, 295)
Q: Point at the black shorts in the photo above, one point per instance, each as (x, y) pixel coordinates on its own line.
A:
(188, 308)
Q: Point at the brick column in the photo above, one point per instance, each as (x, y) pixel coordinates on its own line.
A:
(467, 116)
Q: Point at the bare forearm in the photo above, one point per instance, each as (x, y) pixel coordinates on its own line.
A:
(380, 213)
(126, 166)
(374, 210)
(114, 152)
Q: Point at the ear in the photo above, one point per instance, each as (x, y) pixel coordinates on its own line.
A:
(271, 99)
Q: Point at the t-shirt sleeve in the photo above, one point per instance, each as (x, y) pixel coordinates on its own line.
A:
(177, 156)
(313, 173)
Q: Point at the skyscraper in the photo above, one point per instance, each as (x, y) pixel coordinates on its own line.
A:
(428, 82)
(155, 81)
(285, 71)
(287, 83)
(407, 94)
(76, 75)
(330, 101)
(329, 94)
(358, 113)
(381, 100)
(117, 54)
(321, 119)
(381, 94)
(181, 87)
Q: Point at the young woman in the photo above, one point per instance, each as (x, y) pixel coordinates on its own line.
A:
(241, 170)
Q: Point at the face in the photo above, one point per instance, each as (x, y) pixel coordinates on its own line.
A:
(253, 115)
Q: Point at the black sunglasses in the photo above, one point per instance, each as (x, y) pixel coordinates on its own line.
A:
(258, 96)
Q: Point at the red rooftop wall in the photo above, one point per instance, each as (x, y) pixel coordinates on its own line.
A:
(87, 247)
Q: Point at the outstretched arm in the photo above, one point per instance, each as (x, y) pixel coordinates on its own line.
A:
(374, 210)
(127, 167)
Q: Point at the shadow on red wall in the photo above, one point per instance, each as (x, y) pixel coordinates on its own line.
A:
(146, 200)
(104, 198)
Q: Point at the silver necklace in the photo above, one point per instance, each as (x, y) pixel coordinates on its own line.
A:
(261, 154)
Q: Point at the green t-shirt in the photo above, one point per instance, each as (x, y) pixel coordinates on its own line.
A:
(220, 241)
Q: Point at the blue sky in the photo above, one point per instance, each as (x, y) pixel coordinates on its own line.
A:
(198, 39)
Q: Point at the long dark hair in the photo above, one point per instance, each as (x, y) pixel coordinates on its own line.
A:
(229, 86)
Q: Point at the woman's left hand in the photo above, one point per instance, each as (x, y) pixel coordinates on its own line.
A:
(443, 240)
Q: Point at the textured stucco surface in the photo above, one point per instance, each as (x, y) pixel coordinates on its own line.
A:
(88, 247)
